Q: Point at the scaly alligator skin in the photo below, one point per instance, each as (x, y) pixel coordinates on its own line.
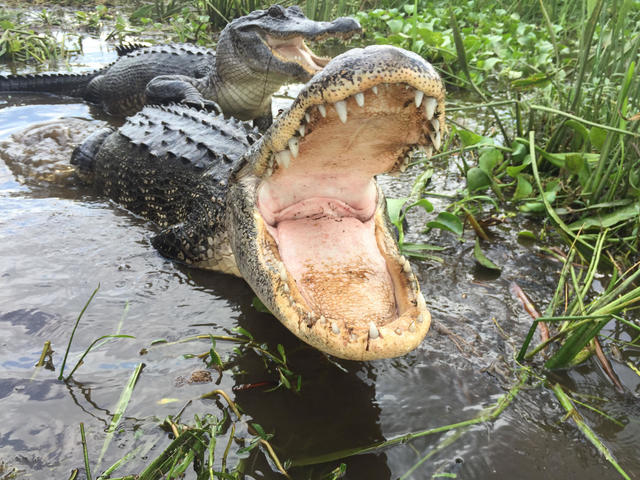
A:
(299, 214)
(255, 56)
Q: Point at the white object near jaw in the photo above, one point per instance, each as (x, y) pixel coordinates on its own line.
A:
(430, 105)
(359, 99)
(322, 110)
(373, 331)
(419, 96)
(293, 146)
(283, 158)
(341, 109)
(374, 89)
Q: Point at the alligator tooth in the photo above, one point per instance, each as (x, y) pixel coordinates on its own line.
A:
(285, 288)
(398, 331)
(269, 171)
(430, 105)
(353, 337)
(301, 130)
(374, 89)
(359, 99)
(422, 305)
(334, 328)
(406, 266)
(419, 97)
(322, 110)
(341, 108)
(373, 331)
(422, 317)
(322, 320)
(307, 117)
(283, 158)
(435, 139)
(282, 271)
(435, 123)
(428, 150)
(293, 146)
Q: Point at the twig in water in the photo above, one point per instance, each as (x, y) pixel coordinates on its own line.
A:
(606, 365)
(531, 310)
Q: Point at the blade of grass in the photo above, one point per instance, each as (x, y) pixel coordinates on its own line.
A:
(66, 353)
(85, 453)
(121, 406)
(486, 416)
(567, 404)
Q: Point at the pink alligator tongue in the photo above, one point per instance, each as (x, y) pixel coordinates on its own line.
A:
(338, 268)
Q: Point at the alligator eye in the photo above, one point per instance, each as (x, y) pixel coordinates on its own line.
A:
(276, 11)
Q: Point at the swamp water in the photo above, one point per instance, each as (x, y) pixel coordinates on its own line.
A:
(58, 241)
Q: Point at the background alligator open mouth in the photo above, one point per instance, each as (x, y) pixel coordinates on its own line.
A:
(295, 50)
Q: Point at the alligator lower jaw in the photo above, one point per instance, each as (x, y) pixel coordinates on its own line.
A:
(338, 280)
(294, 50)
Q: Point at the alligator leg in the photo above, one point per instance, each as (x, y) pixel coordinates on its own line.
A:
(166, 89)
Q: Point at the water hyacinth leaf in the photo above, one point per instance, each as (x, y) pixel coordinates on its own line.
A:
(536, 80)
(574, 162)
(527, 234)
(532, 207)
(394, 209)
(489, 159)
(447, 221)
(519, 153)
(523, 188)
(395, 25)
(514, 171)
(580, 130)
(597, 136)
(482, 259)
(469, 138)
(477, 179)
(616, 217)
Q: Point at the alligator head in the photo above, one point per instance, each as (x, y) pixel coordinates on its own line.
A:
(307, 221)
(273, 41)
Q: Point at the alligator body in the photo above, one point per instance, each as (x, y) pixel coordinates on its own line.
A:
(297, 212)
(256, 55)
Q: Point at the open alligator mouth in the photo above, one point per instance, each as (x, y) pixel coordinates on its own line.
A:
(295, 50)
(338, 279)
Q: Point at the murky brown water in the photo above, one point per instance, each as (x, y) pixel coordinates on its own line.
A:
(58, 242)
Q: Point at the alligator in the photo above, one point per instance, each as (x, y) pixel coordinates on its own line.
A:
(256, 54)
(296, 212)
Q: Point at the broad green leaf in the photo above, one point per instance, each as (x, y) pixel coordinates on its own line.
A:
(395, 25)
(477, 179)
(527, 234)
(447, 221)
(620, 215)
(469, 138)
(597, 136)
(520, 152)
(523, 188)
(489, 159)
(532, 207)
(482, 259)
(579, 128)
(574, 162)
(394, 208)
